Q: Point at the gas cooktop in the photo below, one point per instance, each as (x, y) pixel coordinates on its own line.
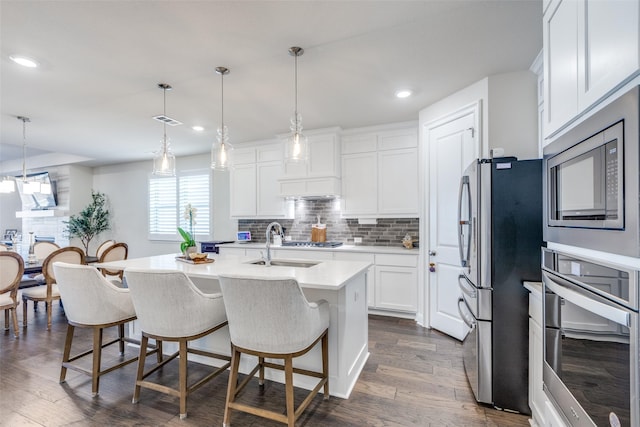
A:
(311, 244)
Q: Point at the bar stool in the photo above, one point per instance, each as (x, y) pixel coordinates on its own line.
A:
(171, 308)
(91, 301)
(271, 318)
(114, 252)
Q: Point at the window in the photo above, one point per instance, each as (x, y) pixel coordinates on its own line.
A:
(169, 196)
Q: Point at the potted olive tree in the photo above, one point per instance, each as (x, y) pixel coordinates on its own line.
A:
(91, 221)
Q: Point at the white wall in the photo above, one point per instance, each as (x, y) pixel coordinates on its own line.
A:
(125, 186)
(509, 112)
(9, 204)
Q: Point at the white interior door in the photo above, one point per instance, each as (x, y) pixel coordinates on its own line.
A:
(453, 144)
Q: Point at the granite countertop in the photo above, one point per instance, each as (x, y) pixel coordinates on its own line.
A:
(344, 248)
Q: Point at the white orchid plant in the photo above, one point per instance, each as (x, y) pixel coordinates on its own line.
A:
(188, 237)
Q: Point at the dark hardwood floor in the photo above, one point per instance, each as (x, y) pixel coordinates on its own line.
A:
(414, 377)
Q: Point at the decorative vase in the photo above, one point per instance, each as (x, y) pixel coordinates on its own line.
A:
(190, 250)
(32, 253)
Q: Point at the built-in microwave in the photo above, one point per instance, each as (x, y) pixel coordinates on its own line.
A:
(591, 181)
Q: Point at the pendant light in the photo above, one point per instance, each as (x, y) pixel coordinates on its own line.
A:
(28, 186)
(164, 161)
(296, 146)
(222, 151)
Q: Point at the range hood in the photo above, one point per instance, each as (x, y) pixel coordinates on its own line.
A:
(310, 188)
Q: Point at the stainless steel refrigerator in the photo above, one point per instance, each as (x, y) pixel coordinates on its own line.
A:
(500, 233)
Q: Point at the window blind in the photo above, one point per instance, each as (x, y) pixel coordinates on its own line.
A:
(168, 197)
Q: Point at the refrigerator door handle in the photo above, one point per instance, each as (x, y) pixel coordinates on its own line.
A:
(466, 287)
(464, 258)
(468, 320)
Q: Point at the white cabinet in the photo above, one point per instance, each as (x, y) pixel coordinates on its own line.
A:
(320, 175)
(537, 398)
(591, 48)
(243, 191)
(360, 184)
(396, 282)
(398, 182)
(380, 173)
(254, 183)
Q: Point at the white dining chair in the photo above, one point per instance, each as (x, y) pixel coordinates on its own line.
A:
(11, 270)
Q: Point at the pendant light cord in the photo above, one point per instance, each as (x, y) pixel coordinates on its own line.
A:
(164, 123)
(24, 147)
(222, 132)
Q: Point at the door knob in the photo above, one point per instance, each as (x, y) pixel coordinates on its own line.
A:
(432, 253)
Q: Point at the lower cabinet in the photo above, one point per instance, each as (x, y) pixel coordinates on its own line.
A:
(392, 279)
(543, 412)
(396, 282)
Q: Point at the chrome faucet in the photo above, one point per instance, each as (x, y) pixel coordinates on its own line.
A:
(270, 228)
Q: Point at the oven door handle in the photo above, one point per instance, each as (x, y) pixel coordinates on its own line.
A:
(565, 289)
(467, 287)
(468, 320)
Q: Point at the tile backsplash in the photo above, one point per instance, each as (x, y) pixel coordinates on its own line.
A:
(387, 232)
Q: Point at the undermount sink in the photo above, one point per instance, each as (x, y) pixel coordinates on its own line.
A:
(287, 263)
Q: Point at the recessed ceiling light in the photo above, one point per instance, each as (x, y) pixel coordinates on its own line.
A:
(197, 128)
(24, 61)
(404, 93)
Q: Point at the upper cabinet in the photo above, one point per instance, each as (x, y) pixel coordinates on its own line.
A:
(320, 176)
(380, 173)
(591, 48)
(254, 183)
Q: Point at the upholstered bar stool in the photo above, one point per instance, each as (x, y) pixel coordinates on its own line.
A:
(171, 308)
(49, 291)
(91, 301)
(271, 318)
(11, 271)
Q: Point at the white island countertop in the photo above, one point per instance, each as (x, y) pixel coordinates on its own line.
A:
(330, 275)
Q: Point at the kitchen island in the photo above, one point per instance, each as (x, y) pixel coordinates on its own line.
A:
(341, 283)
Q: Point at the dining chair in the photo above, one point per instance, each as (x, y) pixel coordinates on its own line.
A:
(270, 318)
(91, 301)
(171, 308)
(49, 291)
(11, 271)
(103, 247)
(43, 249)
(115, 252)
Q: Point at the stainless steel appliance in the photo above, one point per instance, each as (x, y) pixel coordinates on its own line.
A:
(500, 232)
(590, 367)
(591, 181)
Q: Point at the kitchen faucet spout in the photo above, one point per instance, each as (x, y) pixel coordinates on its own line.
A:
(274, 226)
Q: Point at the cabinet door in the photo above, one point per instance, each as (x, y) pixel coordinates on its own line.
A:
(323, 156)
(396, 288)
(398, 182)
(269, 201)
(537, 397)
(607, 47)
(243, 191)
(560, 41)
(359, 184)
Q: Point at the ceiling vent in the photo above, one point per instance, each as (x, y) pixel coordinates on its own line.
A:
(168, 120)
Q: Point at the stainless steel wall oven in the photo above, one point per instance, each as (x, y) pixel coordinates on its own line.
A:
(590, 367)
(592, 181)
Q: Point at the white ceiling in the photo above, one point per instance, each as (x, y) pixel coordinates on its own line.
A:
(95, 91)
